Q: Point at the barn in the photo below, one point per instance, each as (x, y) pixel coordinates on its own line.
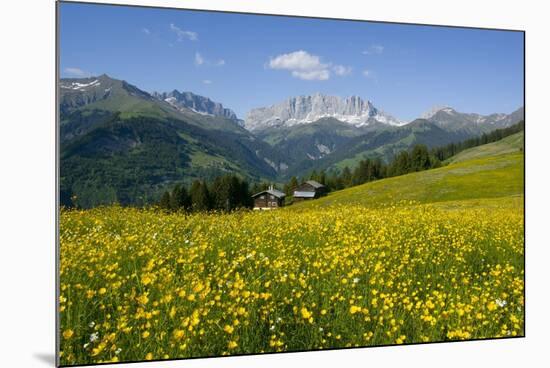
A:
(309, 190)
(269, 199)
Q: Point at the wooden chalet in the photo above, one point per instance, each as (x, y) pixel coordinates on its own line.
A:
(309, 190)
(269, 199)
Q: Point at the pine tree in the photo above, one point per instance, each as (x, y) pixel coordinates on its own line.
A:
(200, 197)
(322, 177)
(165, 201)
(314, 175)
(291, 185)
(346, 177)
(181, 198)
(420, 158)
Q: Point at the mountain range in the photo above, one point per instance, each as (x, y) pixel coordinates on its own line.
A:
(308, 109)
(120, 143)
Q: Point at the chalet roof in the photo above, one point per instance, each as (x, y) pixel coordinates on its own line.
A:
(275, 192)
(301, 194)
(315, 184)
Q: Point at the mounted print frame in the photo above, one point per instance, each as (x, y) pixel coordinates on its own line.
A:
(237, 183)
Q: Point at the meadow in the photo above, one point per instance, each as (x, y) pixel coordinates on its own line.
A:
(430, 256)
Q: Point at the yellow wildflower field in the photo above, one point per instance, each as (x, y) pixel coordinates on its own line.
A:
(142, 284)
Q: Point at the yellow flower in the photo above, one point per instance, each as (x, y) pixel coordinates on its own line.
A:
(102, 291)
(143, 299)
(305, 313)
(67, 334)
(178, 334)
(149, 356)
(145, 334)
(228, 329)
(232, 344)
(146, 280)
(354, 309)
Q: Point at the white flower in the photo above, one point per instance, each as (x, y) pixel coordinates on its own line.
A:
(117, 351)
(356, 280)
(94, 337)
(500, 302)
(272, 328)
(91, 324)
(86, 345)
(279, 319)
(321, 329)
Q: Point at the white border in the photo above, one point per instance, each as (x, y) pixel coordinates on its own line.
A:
(27, 184)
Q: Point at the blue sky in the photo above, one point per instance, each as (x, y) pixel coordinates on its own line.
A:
(248, 61)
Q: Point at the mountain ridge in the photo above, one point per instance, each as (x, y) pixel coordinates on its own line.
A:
(306, 109)
(197, 103)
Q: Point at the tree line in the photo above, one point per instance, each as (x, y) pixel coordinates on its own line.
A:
(419, 158)
(445, 152)
(225, 193)
(229, 192)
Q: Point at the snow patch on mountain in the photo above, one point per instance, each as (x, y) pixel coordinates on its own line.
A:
(76, 86)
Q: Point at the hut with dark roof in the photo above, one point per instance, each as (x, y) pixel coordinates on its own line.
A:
(269, 199)
(309, 190)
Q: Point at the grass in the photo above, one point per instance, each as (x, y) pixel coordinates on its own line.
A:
(430, 256)
(510, 144)
(486, 177)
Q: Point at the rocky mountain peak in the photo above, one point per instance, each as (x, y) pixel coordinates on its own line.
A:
(310, 108)
(200, 104)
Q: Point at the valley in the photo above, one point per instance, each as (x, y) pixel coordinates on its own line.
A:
(122, 144)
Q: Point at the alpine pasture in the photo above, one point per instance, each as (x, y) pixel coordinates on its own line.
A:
(429, 256)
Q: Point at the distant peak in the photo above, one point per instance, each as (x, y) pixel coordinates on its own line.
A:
(437, 108)
(200, 104)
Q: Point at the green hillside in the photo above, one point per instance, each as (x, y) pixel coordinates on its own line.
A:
(513, 143)
(484, 177)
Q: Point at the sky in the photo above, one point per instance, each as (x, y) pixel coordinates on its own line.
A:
(250, 61)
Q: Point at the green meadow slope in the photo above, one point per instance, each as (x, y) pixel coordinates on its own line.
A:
(485, 176)
(511, 144)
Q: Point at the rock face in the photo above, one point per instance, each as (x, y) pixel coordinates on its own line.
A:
(199, 104)
(450, 119)
(308, 109)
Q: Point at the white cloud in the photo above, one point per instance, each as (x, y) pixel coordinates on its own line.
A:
(367, 73)
(199, 60)
(146, 31)
(76, 72)
(220, 62)
(342, 70)
(374, 50)
(302, 65)
(297, 60)
(306, 66)
(207, 81)
(182, 34)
